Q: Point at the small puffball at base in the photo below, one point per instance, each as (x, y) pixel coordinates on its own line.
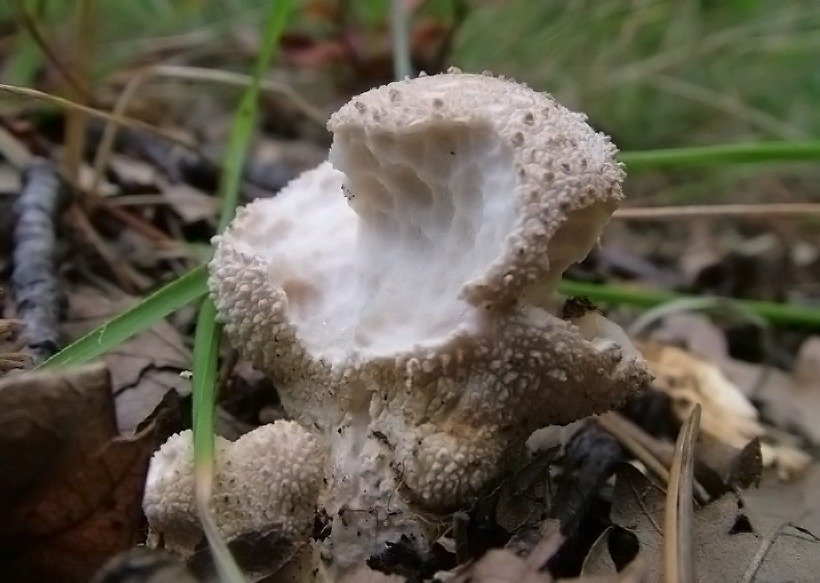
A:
(269, 477)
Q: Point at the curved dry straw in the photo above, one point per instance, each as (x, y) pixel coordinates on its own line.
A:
(200, 74)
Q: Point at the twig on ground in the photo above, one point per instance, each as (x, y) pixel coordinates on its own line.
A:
(678, 563)
(36, 288)
(590, 458)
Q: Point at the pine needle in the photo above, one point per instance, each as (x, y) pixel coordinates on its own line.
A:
(678, 562)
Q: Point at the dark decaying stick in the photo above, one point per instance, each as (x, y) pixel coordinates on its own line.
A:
(36, 288)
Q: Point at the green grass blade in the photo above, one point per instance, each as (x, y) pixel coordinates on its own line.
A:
(147, 312)
(778, 314)
(206, 353)
(720, 155)
(245, 116)
(208, 332)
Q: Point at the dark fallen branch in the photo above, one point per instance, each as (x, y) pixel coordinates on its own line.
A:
(590, 457)
(38, 295)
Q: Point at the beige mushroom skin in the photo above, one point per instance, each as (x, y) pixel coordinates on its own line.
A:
(398, 295)
(268, 478)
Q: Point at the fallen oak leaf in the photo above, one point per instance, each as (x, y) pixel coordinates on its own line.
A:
(260, 555)
(614, 549)
(90, 516)
(726, 536)
(47, 421)
(144, 367)
(506, 566)
(791, 401)
(76, 502)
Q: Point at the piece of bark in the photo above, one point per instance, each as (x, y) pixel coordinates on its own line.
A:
(38, 293)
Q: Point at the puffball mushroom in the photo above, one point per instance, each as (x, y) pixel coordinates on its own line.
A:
(268, 478)
(398, 295)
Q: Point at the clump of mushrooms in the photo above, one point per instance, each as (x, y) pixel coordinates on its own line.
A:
(399, 296)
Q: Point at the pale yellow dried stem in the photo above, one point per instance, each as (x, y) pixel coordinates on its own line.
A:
(191, 74)
(678, 562)
(134, 124)
(773, 210)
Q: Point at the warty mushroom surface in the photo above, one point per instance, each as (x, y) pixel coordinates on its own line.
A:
(399, 294)
(268, 478)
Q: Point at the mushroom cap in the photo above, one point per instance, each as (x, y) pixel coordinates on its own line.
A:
(452, 195)
(269, 477)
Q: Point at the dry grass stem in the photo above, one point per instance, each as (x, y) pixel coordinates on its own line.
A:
(662, 213)
(191, 74)
(76, 120)
(645, 447)
(616, 424)
(133, 124)
(729, 104)
(27, 22)
(18, 155)
(678, 563)
(140, 226)
(13, 149)
(128, 278)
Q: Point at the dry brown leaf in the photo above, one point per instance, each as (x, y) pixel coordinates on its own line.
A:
(132, 171)
(776, 503)
(260, 555)
(728, 417)
(506, 566)
(502, 566)
(143, 368)
(191, 204)
(790, 401)
(71, 486)
(12, 353)
(726, 536)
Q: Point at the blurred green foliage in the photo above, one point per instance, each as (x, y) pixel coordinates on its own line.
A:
(651, 73)
(661, 73)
